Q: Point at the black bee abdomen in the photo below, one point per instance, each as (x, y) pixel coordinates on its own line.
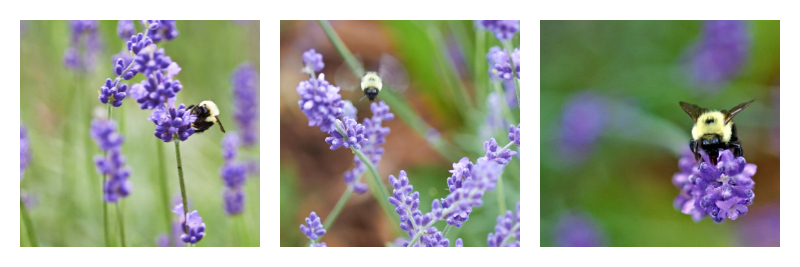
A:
(371, 93)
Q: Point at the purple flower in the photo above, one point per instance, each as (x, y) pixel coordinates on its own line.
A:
(375, 135)
(507, 227)
(230, 147)
(193, 223)
(578, 230)
(149, 60)
(721, 52)
(513, 134)
(156, 91)
(173, 239)
(321, 102)
(497, 154)
(125, 29)
(84, 45)
(762, 228)
(30, 200)
(113, 91)
(494, 117)
(24, 150)
(459, 243)
(173, 121)
(722, 192)
(234, 174)
(138, 42)
(349, 110)
(105, 134)
(502, 29)
(499, 66)
(459, 203)
(161, 30)
(111, 165)
(313, 61)
(245, 99)
(234, 200)
(584, 118)
(354, 137)
(313, 229)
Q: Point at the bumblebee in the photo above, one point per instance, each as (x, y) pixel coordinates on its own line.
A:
(714, 130)
(207, 113)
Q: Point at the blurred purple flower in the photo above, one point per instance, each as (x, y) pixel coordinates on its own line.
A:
(511, 93)
(234, 200)
(125, 29)
(722, 192)
(500, 155)
(312, 61)
(762, 228)
(578, 230)
(230, 147)
(584, 118)
(494, 118)
(173, 239)
(507, 227)
(84, 46)
(234, 174)
(117, 185)
(24, 150)
(513, 134)
(349, 110)
(721, 52)
(502, 29)
(499, 66)
(245, 99)
(161, 30)
(313, 229)
(30, 200)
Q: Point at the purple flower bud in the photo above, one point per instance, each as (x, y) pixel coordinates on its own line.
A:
(313, 229)
(125, 29)
(313, 60)
(502, 29)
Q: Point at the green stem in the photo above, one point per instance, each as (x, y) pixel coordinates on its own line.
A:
(503, 104)
(480, 61)
(399, 107)
(380, 192)
(242, 227)
(449, 71)
(342, 49)
(447, 231)
(509, 50)
(121, 222)
(335, 212)
(164, 188)
(180, 178)
(28, 224)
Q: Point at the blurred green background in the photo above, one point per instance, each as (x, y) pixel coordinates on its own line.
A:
(441, 58)
(624, 184)
(58, 103)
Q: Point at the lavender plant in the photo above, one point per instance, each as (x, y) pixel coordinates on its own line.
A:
(720, 53)
(578, 230)
(234, 175)
(24, 158)
(506, 230)
(313, 230)
(721, 192)
(110, 165)
(245, 99)
(84, 45)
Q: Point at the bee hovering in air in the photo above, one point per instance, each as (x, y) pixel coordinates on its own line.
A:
(391, 74)
(714, 130)
(207, 113)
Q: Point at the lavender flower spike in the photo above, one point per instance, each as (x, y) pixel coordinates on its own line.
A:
(245, 98)
(721, 53)
(354, 131)
(722, 192)
(173, 121)
(513, 134)
(24, 150)
(193, 222)
(313, 229)
(578, 230)
(502, 29)
(117, 184)
(507, 227)
(321, 102)
(125, 29)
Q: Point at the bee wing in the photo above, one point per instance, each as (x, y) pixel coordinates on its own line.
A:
(393, 74)
(346, 79)
(738, 108)
(693, 110)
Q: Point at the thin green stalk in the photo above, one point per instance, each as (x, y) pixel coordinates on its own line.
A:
(479, 76)
(180, 178)
(121, 223)
(449, 70)
(164, 188)
(242, 229)
(380, 192)
(503, 104)
(399, 107)
(28, 224)
(509, 50)
(447, 230)
(338, 208)
(105, 204)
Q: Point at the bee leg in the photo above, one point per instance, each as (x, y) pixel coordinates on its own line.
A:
(738, 151)
(713, 154)
(190, 107)
(693, 147)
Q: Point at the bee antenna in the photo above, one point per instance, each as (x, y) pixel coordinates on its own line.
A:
(362, 98)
